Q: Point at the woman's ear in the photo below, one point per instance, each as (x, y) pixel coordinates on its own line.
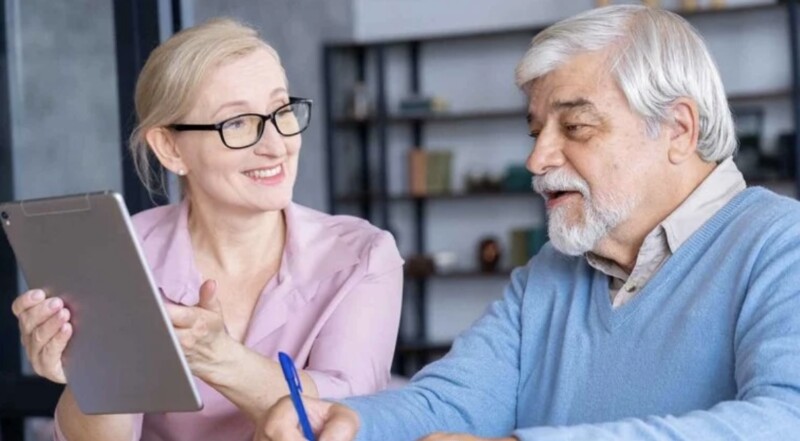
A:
(683, 130)
(162, 141)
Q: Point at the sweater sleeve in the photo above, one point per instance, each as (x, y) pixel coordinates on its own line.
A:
(767, 357)
(472, 389)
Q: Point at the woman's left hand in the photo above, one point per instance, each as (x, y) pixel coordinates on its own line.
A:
(201, 332)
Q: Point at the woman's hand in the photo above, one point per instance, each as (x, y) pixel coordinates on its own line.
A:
(45, 331)
(201, 332)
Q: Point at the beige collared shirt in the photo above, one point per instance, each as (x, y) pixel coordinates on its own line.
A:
(725, 182)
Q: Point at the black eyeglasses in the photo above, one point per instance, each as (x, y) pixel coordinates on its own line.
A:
(245, 130)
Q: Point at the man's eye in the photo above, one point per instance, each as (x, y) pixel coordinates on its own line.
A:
(533, 134)
(572, 128)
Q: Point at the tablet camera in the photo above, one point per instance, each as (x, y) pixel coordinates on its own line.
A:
(5, 216)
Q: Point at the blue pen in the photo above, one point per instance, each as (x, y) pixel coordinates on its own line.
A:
(293, 380)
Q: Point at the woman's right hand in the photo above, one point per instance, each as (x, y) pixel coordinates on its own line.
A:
(45, 331)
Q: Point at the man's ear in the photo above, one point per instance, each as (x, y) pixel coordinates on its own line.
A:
(683, 129)
(162, 142)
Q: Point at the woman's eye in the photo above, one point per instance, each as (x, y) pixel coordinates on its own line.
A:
(235, 123)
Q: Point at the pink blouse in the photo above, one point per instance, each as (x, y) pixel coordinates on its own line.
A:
(334, 306)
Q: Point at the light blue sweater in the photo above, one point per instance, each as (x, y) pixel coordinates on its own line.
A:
(708, 350)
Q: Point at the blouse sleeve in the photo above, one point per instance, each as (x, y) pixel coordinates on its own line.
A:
(353, 353)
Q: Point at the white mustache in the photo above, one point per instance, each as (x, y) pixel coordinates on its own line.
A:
(559, 180)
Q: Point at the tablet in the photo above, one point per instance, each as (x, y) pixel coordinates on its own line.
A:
(123, 356)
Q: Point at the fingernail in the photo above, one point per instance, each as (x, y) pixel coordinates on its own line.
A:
(54, 303)
(37, 295)
(64, 314)
(65, 328)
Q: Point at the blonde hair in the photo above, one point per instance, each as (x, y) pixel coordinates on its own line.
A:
(168, 84)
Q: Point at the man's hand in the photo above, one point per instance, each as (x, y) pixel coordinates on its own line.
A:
(461, 437)
(329, 421)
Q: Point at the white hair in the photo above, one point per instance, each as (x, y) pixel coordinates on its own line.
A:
(658, 57)
(601, 213)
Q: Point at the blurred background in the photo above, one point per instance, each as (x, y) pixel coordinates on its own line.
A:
(417, 126)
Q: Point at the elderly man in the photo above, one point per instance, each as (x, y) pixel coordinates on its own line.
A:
(667, 306)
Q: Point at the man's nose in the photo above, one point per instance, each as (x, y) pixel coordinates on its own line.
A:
(546, 154)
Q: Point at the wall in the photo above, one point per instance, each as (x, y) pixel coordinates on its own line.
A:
(397, 19)
(64, 97)
(390, 19)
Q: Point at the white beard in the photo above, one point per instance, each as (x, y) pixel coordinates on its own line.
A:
(600, 216)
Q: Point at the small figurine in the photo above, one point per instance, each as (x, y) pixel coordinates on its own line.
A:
(489, 254)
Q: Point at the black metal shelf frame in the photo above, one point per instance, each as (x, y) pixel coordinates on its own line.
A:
(370, 198)
(444, 117)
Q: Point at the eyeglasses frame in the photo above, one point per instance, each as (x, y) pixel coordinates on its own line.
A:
(264, 118)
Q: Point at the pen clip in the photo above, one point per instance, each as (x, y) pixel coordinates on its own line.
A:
(290, 371)
(296, 378)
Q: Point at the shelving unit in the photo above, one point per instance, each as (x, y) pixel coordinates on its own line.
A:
(513, 113)
(375, 201)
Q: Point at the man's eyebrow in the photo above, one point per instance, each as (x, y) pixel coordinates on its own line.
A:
(576, 104)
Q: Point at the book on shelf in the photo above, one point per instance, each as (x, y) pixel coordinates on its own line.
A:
(417, 104)
(429, 172)
(525, 243)
(417, 172)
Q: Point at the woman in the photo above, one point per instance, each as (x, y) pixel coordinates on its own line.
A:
(245, 272)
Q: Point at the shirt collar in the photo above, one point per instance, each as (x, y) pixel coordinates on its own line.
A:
(315, 246)
(313, 252)
(724, 182)
(719, 187)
